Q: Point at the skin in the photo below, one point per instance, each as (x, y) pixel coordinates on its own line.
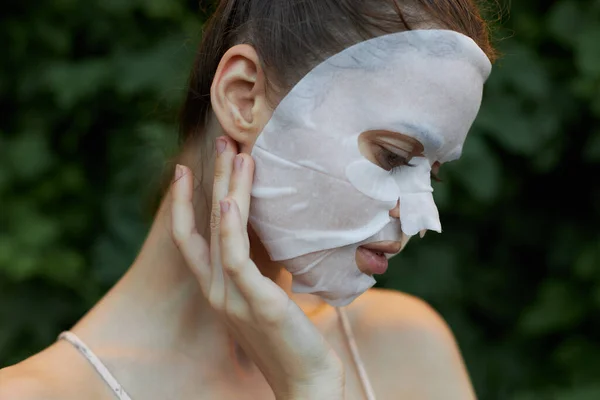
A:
(161, 336)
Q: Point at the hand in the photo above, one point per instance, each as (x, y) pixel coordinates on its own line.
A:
(294, 357)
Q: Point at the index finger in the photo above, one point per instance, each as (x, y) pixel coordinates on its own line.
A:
(183, 226)
(226, 149)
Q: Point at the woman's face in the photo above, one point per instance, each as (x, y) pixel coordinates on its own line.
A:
(344, 163)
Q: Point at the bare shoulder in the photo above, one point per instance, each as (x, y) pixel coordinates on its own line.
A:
(402, 336)
(393, 312)
(386, 317)
(53, 374)
(24, 381)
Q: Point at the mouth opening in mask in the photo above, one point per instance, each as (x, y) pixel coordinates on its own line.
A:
(372, 258)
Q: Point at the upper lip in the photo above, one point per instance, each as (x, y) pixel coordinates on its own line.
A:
(387, 247)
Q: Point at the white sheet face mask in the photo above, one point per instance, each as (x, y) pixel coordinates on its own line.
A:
(316, 198)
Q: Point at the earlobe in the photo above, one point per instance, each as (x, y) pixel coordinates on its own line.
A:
(238, 94)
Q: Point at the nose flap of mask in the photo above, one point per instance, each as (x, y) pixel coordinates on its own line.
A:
(418, 211)
(409, 184)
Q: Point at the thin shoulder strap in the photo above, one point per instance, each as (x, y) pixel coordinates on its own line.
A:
(360, 366)
(96, 363)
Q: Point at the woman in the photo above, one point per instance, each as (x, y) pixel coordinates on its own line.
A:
(204, 312)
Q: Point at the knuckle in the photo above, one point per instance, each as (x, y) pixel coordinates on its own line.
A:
(232, 271)
(220, 173)
(179, 236)
(236, 313)
(272, 314)
(216, 302)
(271, 321)
(234, 264)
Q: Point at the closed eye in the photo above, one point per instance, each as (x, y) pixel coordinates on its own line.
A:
(390, 160)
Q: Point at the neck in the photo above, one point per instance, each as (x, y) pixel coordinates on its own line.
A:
(158, 303)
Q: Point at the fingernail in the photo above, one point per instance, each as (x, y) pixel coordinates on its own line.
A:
(221, 145)
(178, 172)
(238, 162)
(224, 206)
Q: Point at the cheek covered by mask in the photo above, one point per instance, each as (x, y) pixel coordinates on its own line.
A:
(316, 198)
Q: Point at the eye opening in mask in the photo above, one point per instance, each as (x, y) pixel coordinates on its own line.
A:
(392, 161)
(393, 150)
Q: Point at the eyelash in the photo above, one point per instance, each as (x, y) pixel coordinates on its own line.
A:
(398, 161)
(395, 161)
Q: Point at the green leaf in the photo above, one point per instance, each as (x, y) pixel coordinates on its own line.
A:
(588, 52)
(163, 8)
(7, 252)
(63, 266)
(478, 170)
(565, 20)
(557, 308)
(24, 265)
(152, 70)
(522, 69)
(589, 392)
(591, 152)
(503, 118)
(28, 155)
(587, 262)
(72, 83)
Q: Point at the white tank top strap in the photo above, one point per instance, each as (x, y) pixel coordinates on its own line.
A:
(104, 373)
(121, 394)
(360, 366)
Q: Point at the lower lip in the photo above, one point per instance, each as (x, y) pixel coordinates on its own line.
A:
(371, 262)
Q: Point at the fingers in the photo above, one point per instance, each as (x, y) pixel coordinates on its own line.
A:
(227, 275)
(226, 151)
(185, 234)
(235, 257)
(240, 185)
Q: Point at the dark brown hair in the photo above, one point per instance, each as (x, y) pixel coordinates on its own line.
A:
(292, 36)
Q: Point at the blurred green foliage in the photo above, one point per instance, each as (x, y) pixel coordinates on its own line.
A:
(88, 96)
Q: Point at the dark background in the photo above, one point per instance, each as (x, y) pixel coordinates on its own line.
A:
(88, 97)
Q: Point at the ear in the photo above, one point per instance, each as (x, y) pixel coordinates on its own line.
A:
(238, 95)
